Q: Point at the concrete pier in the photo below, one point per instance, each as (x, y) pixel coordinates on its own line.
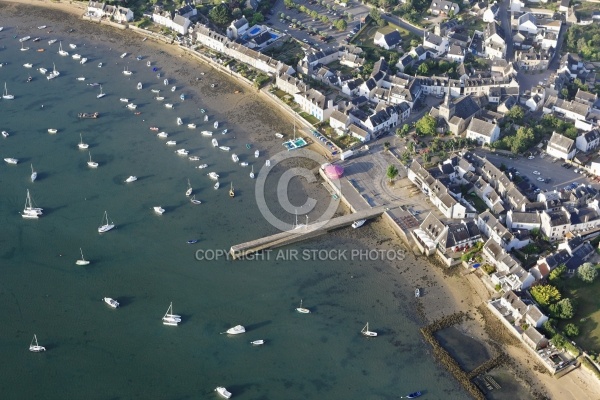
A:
(303, 232)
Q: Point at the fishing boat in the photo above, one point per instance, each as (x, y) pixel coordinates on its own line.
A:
(256, 154)
(215, 143)
(189, 190)
(107, 225)
(170, 318)
(159, 98)
(231, 191)
(413, 395)
(162, 135)
(213, 175)
(243, 164)
(252, 173)
(132, 106)
(359, 223)
(236, 330)
(52, 131)
(42, 70)
(169, 105)
(207, 133)
(10, 160)
(101, 94)
(182, 152)
(279, 135)
(216, 124)
(194, 201)
(93, 115)
(112, 303)
(194, 158)
(61, 51)
(33, 174)
(225, 148)
(34, 346)
(73, 46)
(92, 164)
(171, 143)
(257, 342)
(5, 134)
(191, 126)
(82, 261)
(202, 166)
(224, 131)
(28, 65)
(52, 41)
(82, 145)
(139, 86)
(123, 55)
(159, 210)
(216, 186)
(5, 95)
(81, 78)
(132, 178)
(366, 332)
(29, 211)
(173, 88)
(223, 392)
(76, 56)
(179, 121)
(127, 72)
(302, 310)
(83, 60)
(235, 158)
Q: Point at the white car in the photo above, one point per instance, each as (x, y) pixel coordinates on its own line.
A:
(530, 157)
(536, 173)
(540, 179)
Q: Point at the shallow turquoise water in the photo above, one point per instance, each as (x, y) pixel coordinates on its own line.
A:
(98, 353)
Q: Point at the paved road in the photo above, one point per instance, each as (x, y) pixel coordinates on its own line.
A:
(503, 16)
(403, 24)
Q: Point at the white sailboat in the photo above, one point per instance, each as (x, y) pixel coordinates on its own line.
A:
(366, 332)
(10, 160)
(127, 72)
(131, 106)
(33, 174)
(169, 105)
(223, 392)
(53, 74)
(111, 302)
(52, 131)
(252, 173)
(61, 51)
(207, 133)
(139, 86)
(23, 48)
(170, 318)
(256, 154)
(216, 186)
(358, 223)
(92, 164)
(225, 148)
(213, 175)
(215, 143)
(302, 310)
(192, 126)
(82, 261)
(107, 225)
(171, 143)
(182, 152)
(101, 94)
(179, 121)
(235, 158)
(194, 201)
(202, 166)
(162, 135)
(189, 190)
(29, 211)
(81, 145)
(257, 342)
(34, 346)
(5, 95)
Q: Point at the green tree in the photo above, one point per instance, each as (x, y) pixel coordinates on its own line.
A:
(557, 272)
(516, 114)
(257, 18)
(314, 14)
(423, 69)
(324, 19)
(220, 15)
(563, 309)
(282, 15)
(289, 3)
(587, 272)
(341, 25)
(386, 146)
(392, 172)
(375, 15)
(545, 294)
(571, 132)
(571, 330)
(426, 125)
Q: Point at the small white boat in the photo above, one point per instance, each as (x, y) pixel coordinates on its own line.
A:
(5, 134)
(53, 74)
(225, 148)
(28, 65)
(148, 63)
(256, 154)
(100, 65)
(182, 152)
(34, 347)
(111, 302)
(61, 51)
(279, 135)
(252, 173)
(106, 224)
(73, 46)
(171, 143)
(101, 94)
(83, 60)
(42, 27)
(10, 160)
(179, 121)
(82, 145)
(268, 163)
(52, 41)
(124, 100)
(169, 105)
(191, 126)
(194, 201)
(236, 330)
(213, 175)
(212, 85)
(206, 118)
(52, 131)
(202, 166)
(359, 223)
(159, 210)
(139, 86)
(166, 82)
(132, 106)
(223, 392)
(216, 186)
(29, 211)
(82, 261)
(23, 48)
(207, 133)
(159, 98)
(127, 72)
(244, 164)
(235, 158)
(123, 55)
(302, 310)
(257, 342)
(194, 158)
(215, 143)
(157, 91)
(42, 70)
(132, 178)
(81, 78)
(216, 125)
(162, 135)
(170, 318)
(92, 164)
(417, 292)
(33, 174)
(5, 95)
(366, 332)
(76, 56)
(224, 131)
(189, 190)
(173, 89)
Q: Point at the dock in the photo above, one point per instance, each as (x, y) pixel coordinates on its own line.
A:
(303, 232)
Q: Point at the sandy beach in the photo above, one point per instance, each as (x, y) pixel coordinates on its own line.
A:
(447, 291)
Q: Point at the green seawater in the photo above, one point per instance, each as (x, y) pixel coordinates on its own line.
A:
(94, 352)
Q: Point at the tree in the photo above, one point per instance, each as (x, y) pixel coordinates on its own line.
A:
(423, 69)
(375, 15)
(220, 15)
(426, 125)
(563, 309)
(587, 272)
(386, 146)
(257, 18)
(324, 19)
(392, 172)
(571, 330)
(516, 114)
(341, 25)
(282, 15)
(557, 272)
(289, 3)
(545, 294)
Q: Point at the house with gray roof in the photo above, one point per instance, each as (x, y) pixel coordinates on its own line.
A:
(237, 28)
(561, 147)
(388, 40)
(517, 220)
(443, 7)
(588, 141)
(483, 132)
(555, 224)
(435, 44)
(509, 274)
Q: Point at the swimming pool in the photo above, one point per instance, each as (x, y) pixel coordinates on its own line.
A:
(254, 31)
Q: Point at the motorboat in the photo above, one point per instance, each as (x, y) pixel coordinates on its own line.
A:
(216, 125)
(154, 128)
(169, 105)
(191, 126)
(37, 39)
(224, 131)
(173, 88)
(157, 91)
(166, 82)
(182, 152)
(413, 395)
(83, 60)
(162, 135)
(139, 58)
(34, 347)
(6, 95)
(124, 100)
(207, 133)
(256, 154)
(205, 118)
(417, 292)
(148, 64)
(243, 164)
(123, 55)
(259, 342)
(225, 148)
(42, 27)
(159, 98)
(202, 166)
(73, 46)
(92, 164)
(127, 72)
(82, 145)
(81, 78)
(171, 143)
(182, 97)
(179, 121)
(5, 134)
(76, 56)
(359, 223)
(236, 330)
(213, 175)
(52, 131)
(192, 241)
(223, 392)
(82, 261)
(93, 84)
(61, 51)
(216, 186)
(215, 143)
(52, 41)
(235, 158)
(10, 160)
(100, 65)
(202, 110)
(139, 86)
(132, 178)
(159, 210)
(268, 163)
(42, 70)
(107, 225)
(170, 318)
(194, 201)
(93, 115)
(111, 302)
(28, 65)
(132, 106)
(101, 94)
(194, 158)
(33, 174)
(302, 310)
(189, 190)
(366, 332)
(29, 78)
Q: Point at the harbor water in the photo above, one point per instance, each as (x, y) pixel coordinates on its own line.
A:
(145, 263)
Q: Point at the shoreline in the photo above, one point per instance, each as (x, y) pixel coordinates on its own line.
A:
(455, 292)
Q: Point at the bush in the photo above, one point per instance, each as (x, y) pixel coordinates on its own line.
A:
(587, 273)
(571, 330)
(545, 294)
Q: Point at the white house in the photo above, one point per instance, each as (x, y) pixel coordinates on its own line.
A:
(388, 40)
(315, 103)
(490, 13)
(527, 23)
(95, 9)
(443, 7)
(561, 147)
(516, 220)
(482, 131)
(123, 14)
(456, 54)
(555, 224)
(237, 28)
(588, 141)
(436, 44)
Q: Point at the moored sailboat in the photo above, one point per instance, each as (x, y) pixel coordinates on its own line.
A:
(81, 145)
(33, 174)
(170, 318)
(82, 261)
(366, 332)
(34, 346)
(30, 212)
(107, 225)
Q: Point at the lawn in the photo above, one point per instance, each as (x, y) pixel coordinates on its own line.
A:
(366, 37)
(344, 69)
(312, 120)
(290, 52)
(587, 310)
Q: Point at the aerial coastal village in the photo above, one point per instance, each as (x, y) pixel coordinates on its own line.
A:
(481, 121)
